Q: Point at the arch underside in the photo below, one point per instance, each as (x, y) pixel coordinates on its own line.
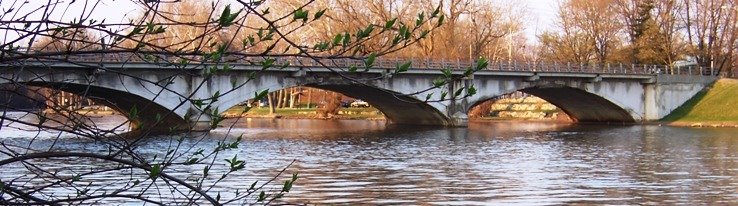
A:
(153, 117)
(581, 105)
(397, 108)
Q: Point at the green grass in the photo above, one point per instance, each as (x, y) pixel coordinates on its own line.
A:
(718, 104)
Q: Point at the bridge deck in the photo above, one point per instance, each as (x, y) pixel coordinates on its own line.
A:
(125, 61)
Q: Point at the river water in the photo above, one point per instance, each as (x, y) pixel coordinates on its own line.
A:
(514, 163)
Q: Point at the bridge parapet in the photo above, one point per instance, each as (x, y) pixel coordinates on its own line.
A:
(345, 63)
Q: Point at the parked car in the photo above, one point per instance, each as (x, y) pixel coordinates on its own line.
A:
(359, 103)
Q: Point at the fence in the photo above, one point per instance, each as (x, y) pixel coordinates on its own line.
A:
(384, 63)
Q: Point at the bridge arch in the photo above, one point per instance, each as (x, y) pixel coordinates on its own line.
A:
(581, 105)
(152, 116)
(156, 96)
(397, 108)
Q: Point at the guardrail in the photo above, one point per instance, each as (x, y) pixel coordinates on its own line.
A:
(385, 63)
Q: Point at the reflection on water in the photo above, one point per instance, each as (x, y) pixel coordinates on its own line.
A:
(25, 124)
(351, 161)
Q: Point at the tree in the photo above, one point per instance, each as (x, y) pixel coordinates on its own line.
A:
(653, 30)
(567, 47)
(710, 28)
(183, 35)
(586, 29)
(471, 27)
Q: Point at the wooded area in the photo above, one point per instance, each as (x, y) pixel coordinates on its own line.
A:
(667, 32)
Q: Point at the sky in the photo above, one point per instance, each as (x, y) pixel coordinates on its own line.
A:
(542, 13)
(543, 17)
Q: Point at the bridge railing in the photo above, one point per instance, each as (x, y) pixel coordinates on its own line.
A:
(391, 63)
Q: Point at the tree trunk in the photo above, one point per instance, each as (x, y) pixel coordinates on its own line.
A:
(270, 100)
(310, 97)
(285, 97)
(279, 98)
(292, 97)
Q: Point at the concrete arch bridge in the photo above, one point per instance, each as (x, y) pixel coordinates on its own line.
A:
(158, 90)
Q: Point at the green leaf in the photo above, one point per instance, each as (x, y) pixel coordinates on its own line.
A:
(192, 161)
(133, 113)
(403, 68)
(396, 40)
(253, 186)
(300, 15)
(287, 186)
(155, 171)
(262, 197)
(458, 92)
(404, 32)
(440, 20)
(390, 23)
(369, 29)
(365, 32)
(318, 14)
(439, 82)
(482, 63)
(471, 90)
(369, 62)
(424, 34)
(267, 63)
(261, 94)
(337, 39)
(215, 96)
(353, 68)
(135, 31)
(443, 95)
(205, 171)
(427, 97)
(468, 72)
(250, 40)
(436, 12)
(447, 72)
(346, 38)
(421, 18)
(224, 16)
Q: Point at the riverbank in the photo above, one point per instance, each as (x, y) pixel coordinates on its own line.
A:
(368, 113)
(714, 107)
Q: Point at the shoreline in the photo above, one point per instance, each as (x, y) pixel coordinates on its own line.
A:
(313, 116)
(686, 124)
(703, 124)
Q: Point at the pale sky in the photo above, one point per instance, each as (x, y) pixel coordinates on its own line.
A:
(542, 13)
(543, 17)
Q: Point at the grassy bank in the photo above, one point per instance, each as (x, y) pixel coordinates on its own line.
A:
(714, 107)
(305, 113)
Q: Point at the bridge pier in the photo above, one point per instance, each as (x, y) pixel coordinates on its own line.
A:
(198, 121)
(200, 126)
(459, 120)
(457, 107)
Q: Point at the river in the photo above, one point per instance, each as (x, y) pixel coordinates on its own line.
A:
(508, 163)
